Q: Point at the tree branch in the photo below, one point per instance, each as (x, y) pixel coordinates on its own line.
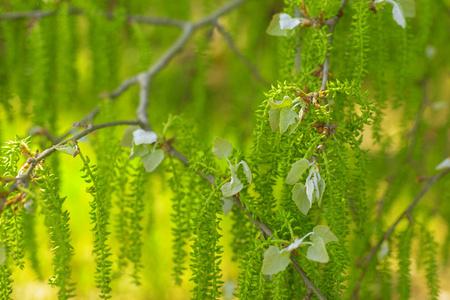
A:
(262, 227)
(23, 179)
(238, 53)
(388, 233)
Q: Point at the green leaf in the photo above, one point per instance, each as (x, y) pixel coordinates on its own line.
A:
(2, 253)
(321, 184)
(227, 205)
(138, 151)
(275, 261)
(127, 138)
(297, 243)
(401, 9)
(297, 170)
(324, 233)
(445, 164)
(232, 187)
(287, 117)
(310, 190)
(70, 147)
(274, 119)
(222, 148)
(247, 171)
(383, 251)
(286, 102)
(318, 252)
(287, 22)
(274, 27)
(152, 160)
(141, 136)
(300, 198)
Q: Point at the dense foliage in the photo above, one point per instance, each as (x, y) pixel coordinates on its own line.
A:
(304, 145)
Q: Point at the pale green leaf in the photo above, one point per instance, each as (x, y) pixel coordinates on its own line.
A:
(318, 252)
(321, 184)
(232, 188)
(324, 233)
(275, 261)
(70, 147)
(247, 171)
(138, 151)
(297, 243)
(141, 136)
(297, 170)
(286, 102)
(310, 190)
(152, 160)
(274, 119)
(287, 117)
(222, 148)
(274, 27)
(445, 164)
(383, 251)
(287, 22)
(127, 138)
(227, 205)
(2, 253)
(300, 198)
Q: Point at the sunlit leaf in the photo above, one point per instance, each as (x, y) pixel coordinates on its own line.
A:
(300, 198)
(274, 119)
(324, 232)
(297, 243)
(383, 251)
(286, 102)
(275, 261)
(127, 138)
(247, 171)
(297, 170)
(287, 117)
(222, 147)
(274, 27)
(70, 148)
(152, 160)
(141, 136)
(227, 205)
(287, 22)
(2, 253)
(232, 188)
(445, 164)
(318, 252)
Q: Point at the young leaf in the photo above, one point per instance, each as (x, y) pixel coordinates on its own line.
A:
(152, 160)
(297, 170)
(300, 198)
(400, 10)
(274, 119)
(141, 136)
(275, 260)
(324, 233)
(445, 164)
(321, 184)
(247, 171)
(274, 27)
(318, 252)
(297, 243)
(383, 251)
(227, 205)
(232, 188)
(310, 190)
(286, 102)
(222, 148)
(287, 22)
(127, 138)
(70, 148)
(287, 117)
(2, 253)
(138, 151)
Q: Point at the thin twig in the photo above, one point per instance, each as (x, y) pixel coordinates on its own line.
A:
(239, 54)
(326, 65)
(23, 179)
(388, 233)
(263, 227)
(189, 29)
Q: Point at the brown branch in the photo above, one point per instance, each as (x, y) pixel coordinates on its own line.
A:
(387, 234)
(326, 65)
(239, 54)
(263, 227)
(23, 179)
